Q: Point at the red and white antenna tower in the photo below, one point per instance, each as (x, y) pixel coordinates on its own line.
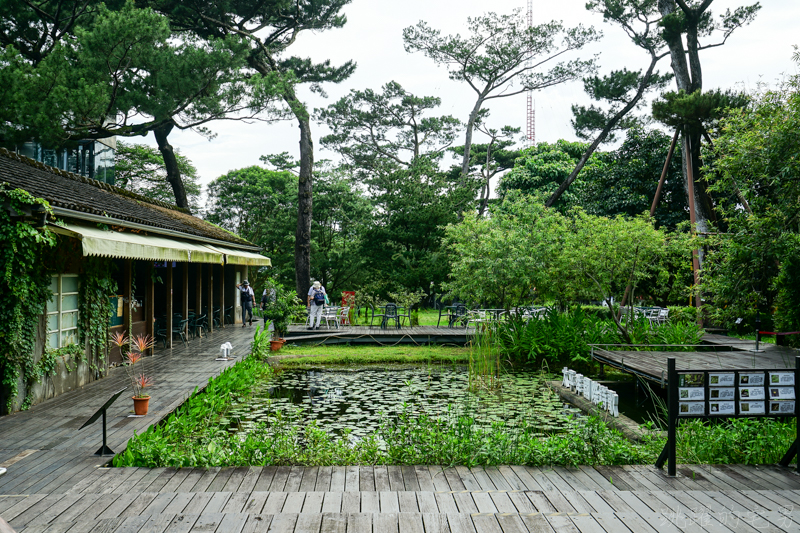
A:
(531, 116)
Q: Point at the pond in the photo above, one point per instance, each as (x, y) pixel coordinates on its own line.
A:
(359, 399)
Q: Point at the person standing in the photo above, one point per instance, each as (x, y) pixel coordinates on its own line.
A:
(315, 303)
(248, 300)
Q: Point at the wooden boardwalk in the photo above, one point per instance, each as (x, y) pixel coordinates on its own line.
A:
(384, 499)
(42, 448)
(724, 353)
(375, 335)
(55, 484)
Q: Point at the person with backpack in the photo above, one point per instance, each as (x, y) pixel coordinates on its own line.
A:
(315, 302)
(248, 300)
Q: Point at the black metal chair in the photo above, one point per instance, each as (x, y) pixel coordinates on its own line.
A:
(458, 314)
(197, 324)
(444, 311)
(161, 331)
(369, 312)
(389, 313)
(406, 314)
(180, 330)
(229, 315)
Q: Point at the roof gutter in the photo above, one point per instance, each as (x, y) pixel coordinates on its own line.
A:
(60, 211)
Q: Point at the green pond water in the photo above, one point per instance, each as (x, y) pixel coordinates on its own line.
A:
(359, 399)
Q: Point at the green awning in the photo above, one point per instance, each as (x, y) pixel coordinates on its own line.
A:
(240, 257)
(107, 243)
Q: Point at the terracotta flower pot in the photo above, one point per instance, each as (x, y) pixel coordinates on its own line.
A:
(275, 345)
(140, 405)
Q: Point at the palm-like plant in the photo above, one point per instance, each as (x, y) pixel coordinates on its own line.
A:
(135, 355)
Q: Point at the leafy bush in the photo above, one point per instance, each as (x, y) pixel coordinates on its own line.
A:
(597, 311)
(555, 337)
(682, 314)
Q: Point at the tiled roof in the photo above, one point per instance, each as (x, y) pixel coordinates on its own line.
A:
(84, 195)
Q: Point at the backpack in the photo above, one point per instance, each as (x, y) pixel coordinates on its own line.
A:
(319, 297)
(247, 296)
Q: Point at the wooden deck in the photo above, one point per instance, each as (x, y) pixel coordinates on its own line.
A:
(375, 335)
(724, 353)
(55, 484)
(384, 499)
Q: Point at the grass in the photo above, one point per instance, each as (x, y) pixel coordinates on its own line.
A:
(348, 355)
(765, 339)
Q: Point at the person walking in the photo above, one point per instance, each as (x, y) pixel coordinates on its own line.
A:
(315, 303)
(248, 300)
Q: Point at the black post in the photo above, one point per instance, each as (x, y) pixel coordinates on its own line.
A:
(105, 450)
(672, 415)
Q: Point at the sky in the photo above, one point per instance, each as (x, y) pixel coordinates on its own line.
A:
(758, 53)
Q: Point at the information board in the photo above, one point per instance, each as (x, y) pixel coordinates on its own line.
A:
(714, 394)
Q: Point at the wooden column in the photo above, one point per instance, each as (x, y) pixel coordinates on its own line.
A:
(127, 286)
(211, 298)
(198, 289)
(185, 296)
(221, 283)
(169, 304)
(149, 303)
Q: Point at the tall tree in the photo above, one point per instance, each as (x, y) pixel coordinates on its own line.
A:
(540, 169)
(140, 169)
(502, 56)
(656, 26)
(392, 141)
(379, 132)
(270, 27)
(690, 21)
(115, 69)
(489, 159)
(625, 183)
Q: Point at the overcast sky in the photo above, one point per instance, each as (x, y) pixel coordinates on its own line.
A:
(372, 37)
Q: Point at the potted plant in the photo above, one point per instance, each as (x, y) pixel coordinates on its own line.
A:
(134, 367)
(280, 311)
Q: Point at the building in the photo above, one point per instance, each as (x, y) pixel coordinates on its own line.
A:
(165, 264)
(89, 158)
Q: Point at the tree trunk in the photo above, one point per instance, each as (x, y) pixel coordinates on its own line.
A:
(473, 116)
(302, 236)
(643, 84)
(676, 51)
(171, 164)
(689, 81)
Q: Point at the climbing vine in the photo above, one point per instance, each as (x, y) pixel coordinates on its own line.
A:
(24, 286)
(97, 285)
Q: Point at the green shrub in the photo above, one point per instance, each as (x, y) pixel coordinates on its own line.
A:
(682, 314)
(596, 311)
(555, 337)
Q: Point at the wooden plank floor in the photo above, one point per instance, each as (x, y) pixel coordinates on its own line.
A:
(415, 498)
(377, 335)
(733, 354)
(42, 447)
(55, 484)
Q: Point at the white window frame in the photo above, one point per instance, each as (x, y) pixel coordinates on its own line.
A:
(60, 311)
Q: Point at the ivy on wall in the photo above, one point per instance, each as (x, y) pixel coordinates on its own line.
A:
(97, 285)
(24, 286)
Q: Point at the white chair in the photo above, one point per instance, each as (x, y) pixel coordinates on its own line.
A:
(478, 317)
(330, 314)
(343, 317)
